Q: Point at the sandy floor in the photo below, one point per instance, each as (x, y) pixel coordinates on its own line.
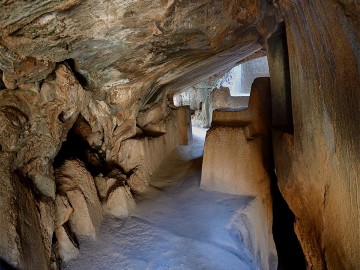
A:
(176, 225)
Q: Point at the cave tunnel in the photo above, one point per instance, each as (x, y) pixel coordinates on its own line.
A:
(179, 135)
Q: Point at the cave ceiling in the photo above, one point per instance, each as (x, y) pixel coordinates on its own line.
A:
(127, 52)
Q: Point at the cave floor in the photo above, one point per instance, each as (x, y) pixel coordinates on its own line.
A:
(176, 225)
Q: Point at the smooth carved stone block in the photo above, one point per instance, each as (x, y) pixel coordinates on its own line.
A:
(236, 162)
(237, 145)
(256, 118)
(232, 164)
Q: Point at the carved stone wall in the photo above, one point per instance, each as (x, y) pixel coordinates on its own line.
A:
(318, 165)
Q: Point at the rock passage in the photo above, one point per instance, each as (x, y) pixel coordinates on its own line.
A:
(175, 225)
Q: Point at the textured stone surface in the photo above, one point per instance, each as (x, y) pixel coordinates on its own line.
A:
(132, 38)
(67, 248)
(63, 210)
(318, 165)
(251, 227)
(149, 152)
(86, 218)
(104, 185)
(138, 180)
(237, 161)
(30, 137)
(76, 182)
(73, 175)
(120, 203)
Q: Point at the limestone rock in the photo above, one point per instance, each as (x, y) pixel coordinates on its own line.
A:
(47, 225)
(152, 115)
(86, 218)
(120, 203)
(37, 130)
(63, 210)
(138, 180)
(317, 163)
(105, 185)
(77, 183)
(68, 250)
(162, 37)
(49, 48)
(251, 229)
(148, 152)
(73, 175)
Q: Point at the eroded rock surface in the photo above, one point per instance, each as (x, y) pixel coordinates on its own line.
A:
(120, 202)
(34, 126)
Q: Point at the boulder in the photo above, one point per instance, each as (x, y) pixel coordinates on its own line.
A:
(77, 183)
(120, 203)
(138, 180)
(73, 175)
(104, 185)
(67, 248)
(63, 210)
(86, 218)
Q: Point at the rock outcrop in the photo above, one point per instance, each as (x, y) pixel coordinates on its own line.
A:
(34, 124)
(318, 163)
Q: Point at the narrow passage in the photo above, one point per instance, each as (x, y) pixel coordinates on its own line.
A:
(176, 225)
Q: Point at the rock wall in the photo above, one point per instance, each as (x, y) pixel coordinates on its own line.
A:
(237, 161)
(318, 165)
(141, 155)
(34, 124)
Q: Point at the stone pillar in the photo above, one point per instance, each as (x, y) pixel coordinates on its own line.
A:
(184, 125)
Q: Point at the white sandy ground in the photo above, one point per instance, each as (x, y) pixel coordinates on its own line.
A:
(175, 226)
